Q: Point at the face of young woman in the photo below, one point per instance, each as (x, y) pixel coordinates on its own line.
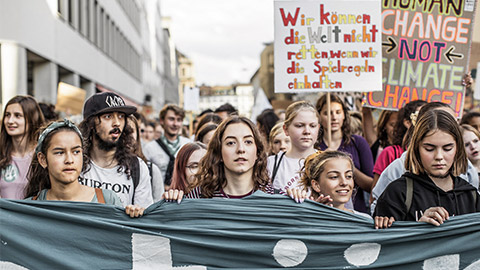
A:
(239, 151)
(472, 146)
(337, 116)
(437, 153)
(303, 130)
(192, 164)
(336, 181)
(390, 126)
(281, 142)
(14, 120)
(208, 137)
(64, 157)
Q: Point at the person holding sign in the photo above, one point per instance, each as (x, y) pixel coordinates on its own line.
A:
(56, 166)
(431, 190)
(343, 140)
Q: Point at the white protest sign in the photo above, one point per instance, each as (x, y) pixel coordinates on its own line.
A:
(329, 45)
(191, 98)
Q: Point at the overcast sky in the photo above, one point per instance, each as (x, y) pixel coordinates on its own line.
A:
(224, 38)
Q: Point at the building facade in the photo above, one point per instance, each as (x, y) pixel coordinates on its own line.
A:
(96, 45)
(240, 96)
(186, 75)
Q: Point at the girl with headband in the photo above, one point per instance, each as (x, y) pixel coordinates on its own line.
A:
(56, 166)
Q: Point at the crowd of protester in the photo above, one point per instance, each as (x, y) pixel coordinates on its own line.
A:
(417, 164)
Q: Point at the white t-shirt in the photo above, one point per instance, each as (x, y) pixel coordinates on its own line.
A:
(111, 179)
(158, 187)
(154, 153)
(362, 214)
(288, 174)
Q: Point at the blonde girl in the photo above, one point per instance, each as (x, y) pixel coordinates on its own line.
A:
(301, 125)
(329, 177)
(279, 141)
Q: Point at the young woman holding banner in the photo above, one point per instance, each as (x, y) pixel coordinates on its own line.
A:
(329, 176)
(56, 166)
(234, 166)
(431, 190)
(343, 140)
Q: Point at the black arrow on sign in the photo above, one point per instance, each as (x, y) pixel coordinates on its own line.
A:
(449, 54)
(392, 44)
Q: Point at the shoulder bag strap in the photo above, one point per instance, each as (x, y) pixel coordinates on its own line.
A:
(99, 194)
(164, 147)
(409, 194)
(276, 165)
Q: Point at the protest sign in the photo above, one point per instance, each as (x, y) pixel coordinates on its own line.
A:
(191, 98)
(258, 232)
(426, 45)
(476, 94)
(70, 99)
(330, 45)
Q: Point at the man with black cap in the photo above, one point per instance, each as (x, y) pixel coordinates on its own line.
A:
(110, 159)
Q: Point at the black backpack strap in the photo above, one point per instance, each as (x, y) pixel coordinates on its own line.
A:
(150, 168)
(475, 196)
(409, 194)
(276, 165)
(171, 163)
(135, 173)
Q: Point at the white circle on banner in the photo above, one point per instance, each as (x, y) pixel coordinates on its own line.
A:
(446, 262)
(11, 266)
(290, 252)
(362, 254)
(474, 266)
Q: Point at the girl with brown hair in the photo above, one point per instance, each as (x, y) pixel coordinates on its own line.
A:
(234, 166)
(21, 119)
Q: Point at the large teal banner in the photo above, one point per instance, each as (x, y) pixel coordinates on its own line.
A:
(258, 232)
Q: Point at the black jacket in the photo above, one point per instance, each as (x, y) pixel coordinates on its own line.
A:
(460, 200)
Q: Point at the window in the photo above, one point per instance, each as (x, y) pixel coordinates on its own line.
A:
(70, 12)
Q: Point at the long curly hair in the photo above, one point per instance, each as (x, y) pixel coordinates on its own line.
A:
(37, 175)
(346, 126)
(124, 152)
(211, 175)
(33, 121)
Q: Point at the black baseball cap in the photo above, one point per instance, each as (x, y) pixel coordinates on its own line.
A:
(106, 102)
